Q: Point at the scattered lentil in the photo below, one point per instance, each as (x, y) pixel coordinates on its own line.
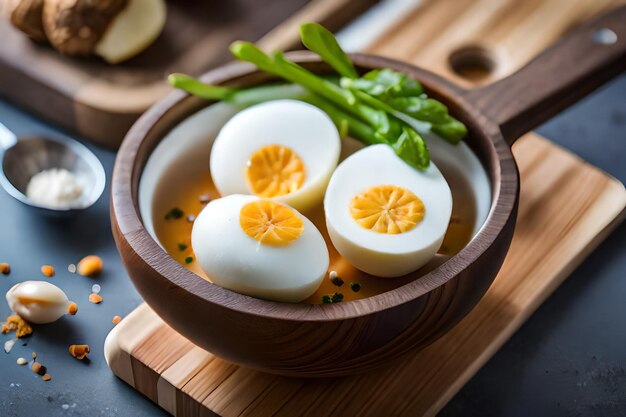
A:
(89, 266)
(191, 218)
(72, 308)
(80, 352)
(47, 270)
(182, 247)
(95, 288)
(355, 286)
(205, 198)
(46, 377)
(95, 298)
(116, 320)
(5, 268)
(21, 361)
(189, 259)
(326, 299)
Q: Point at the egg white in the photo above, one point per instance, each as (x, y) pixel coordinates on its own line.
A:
(236, 261)
(386, 255)
(304, 128)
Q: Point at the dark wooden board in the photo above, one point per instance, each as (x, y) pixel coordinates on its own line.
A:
(101, 101)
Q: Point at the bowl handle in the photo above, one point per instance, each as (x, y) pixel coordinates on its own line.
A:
(573, 67)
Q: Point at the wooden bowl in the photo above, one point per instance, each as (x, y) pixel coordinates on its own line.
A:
(344, 338)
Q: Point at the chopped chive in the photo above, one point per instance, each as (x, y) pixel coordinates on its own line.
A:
(326, 299)
(355, 286)
(174, 213)
(337, 281)
(337, 297)
(189, 259)
(182, 247)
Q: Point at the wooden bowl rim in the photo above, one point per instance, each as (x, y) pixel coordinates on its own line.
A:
(127, 219)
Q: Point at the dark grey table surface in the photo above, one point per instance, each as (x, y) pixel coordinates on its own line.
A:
(569, 359)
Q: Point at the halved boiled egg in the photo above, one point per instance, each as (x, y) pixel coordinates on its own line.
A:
(282, 149)
(385, 217)
(259, 247)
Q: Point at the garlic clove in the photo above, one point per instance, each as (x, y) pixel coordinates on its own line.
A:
(37, 301)
(132, 30)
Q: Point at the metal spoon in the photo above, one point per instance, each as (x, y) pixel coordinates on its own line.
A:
(23, 158)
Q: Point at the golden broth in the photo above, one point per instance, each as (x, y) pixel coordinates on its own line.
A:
(175, 235)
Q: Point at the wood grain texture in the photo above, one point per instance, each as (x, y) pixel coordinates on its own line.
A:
(566, 208)
(509, 32)
(101, 101)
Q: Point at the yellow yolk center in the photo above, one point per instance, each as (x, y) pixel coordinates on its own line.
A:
(387, 209)
(275, 170)
(270, 223)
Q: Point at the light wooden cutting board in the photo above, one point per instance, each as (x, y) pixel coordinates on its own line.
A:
(567, 207)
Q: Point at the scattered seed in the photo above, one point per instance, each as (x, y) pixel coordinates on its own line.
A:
(182, 247)
(191, 218)
(95, 298)
(80, 352)
(116, 320)
(34, 355)
(21, 361)
(5, 268)
(47, 270)
(71, 268)
(189, 259)
(38, 368)
(95, 288)
(205, 198)
(89, 266)
(8, 345)
(72, 308)
(174, 213)
(46, 377)
(355, 286)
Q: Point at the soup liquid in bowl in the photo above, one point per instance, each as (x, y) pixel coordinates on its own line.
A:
(176, 186)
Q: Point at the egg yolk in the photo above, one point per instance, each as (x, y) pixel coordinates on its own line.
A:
(387, 209)
(270, 223)
(275, 170)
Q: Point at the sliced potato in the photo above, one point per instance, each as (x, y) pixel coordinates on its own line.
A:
(132, 30)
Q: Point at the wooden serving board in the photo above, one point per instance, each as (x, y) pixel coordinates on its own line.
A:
(566, 208)
(101, 101)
